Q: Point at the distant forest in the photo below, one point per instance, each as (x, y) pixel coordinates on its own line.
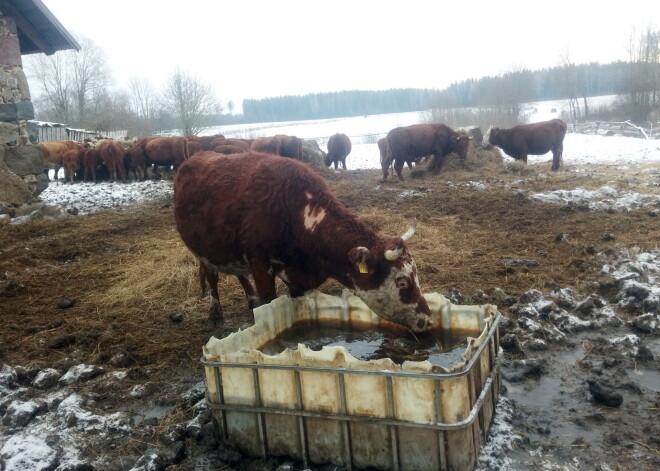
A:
(561, 82)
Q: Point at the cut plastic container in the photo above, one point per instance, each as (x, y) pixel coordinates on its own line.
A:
(328, 407)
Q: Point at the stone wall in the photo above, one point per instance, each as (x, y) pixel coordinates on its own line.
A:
(21, 165)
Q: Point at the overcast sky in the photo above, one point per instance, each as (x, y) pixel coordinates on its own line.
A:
(255, 49)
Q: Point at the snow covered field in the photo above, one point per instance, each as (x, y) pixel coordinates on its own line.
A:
(579, 149)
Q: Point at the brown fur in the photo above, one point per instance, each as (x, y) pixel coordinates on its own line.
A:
(135, 162)
(206, 142)
(91, 161)
(112, 155)
(242, 143)
(165, 152)
(411, 142)
(339, 146)
(53, 152)
(245, 215)
(535, 139)
(72, 161)
(229, 149)
(194, 147)
(280, 144)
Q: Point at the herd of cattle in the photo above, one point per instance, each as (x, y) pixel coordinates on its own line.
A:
(117, 160)
(258, 216)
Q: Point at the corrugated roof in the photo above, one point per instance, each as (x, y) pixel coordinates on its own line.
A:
(38, 29)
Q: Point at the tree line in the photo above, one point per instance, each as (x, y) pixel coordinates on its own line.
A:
(75, 88)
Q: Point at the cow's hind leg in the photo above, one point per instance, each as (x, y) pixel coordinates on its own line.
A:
(209, 279)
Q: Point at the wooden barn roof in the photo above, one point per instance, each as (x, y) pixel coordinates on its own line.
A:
(38, 29)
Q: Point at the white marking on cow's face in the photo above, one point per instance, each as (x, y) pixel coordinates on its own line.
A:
(308, 195)
(312, 217)
(386, 299)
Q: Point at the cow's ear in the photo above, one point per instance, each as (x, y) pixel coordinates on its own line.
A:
(358, 258)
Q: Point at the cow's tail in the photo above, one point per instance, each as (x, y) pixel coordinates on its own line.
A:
(186, 151)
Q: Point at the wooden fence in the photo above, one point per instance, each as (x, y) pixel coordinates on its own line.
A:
(41, 131)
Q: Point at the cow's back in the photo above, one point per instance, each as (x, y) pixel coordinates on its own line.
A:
(543, 136)
(229, 205)
(417, 139)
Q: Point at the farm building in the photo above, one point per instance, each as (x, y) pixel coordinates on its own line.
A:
(26, 27)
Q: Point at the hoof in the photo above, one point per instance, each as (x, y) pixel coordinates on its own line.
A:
(215, 316)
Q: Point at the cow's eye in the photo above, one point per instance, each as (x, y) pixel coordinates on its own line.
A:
(403, 282)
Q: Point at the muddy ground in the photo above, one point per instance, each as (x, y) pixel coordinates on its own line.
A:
(104, 309)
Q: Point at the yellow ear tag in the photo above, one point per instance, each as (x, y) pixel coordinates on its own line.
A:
(363, 267)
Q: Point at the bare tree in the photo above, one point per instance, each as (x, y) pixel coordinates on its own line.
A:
(72, 81)
(144, 101)
(644, 79)
(190, 101)
(570, 85)
(51, 74)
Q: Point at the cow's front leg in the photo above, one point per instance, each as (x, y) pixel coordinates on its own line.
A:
(250, 294)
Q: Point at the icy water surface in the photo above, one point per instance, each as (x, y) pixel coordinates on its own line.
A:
(440, 347)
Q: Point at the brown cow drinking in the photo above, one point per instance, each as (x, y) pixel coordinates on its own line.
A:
(411, 142)
(260, 215)
(339, 146)
(535, 139)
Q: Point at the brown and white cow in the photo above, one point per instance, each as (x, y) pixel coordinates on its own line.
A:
(409, 143)
(339, 146)
(280, 144)
(53, 151)
(260, 215)
(112, 155)
(535, 139)
(164, 152)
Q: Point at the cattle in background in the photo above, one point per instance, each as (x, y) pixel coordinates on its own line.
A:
(112, 155)
(229, 149)
(206, 142)
(385, 157)
(241, 143)
(411, 142)
(164, 152)
(72, 161)
(52, 153)
(339, 146)
(278, 217)
(134, 161)
(194, 146)
(91, 163)
(280, 144)
(535, 139)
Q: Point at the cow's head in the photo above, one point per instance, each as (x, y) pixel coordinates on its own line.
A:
(460, 144)
(493, 135)
(385, 278)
